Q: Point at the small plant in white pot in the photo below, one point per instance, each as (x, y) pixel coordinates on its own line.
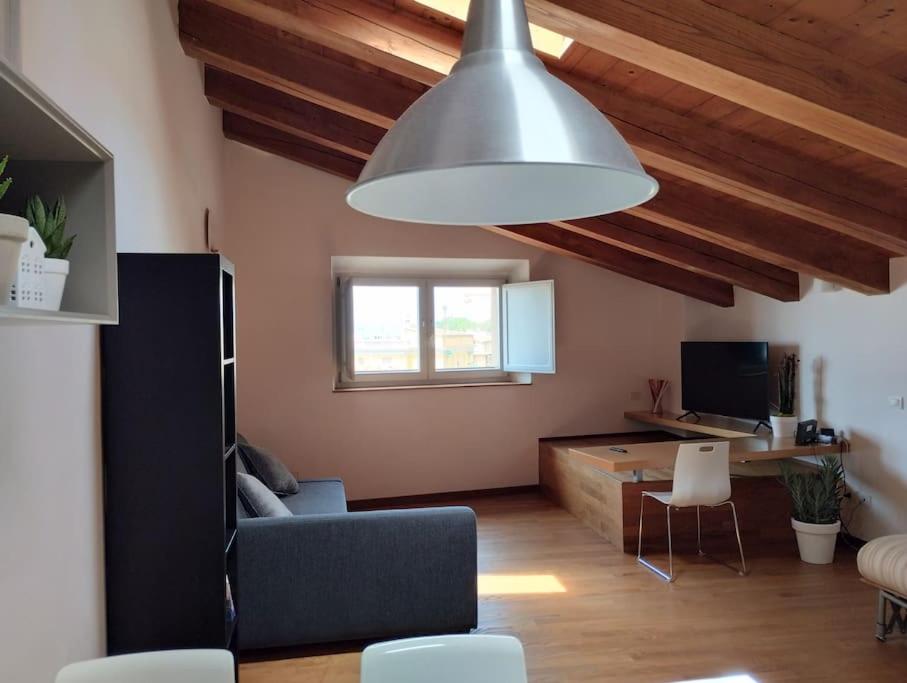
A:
(817, 498)
(51, 225)
(785, 422)
(13, 233)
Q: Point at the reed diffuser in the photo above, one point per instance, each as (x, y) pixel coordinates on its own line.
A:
(657, 387)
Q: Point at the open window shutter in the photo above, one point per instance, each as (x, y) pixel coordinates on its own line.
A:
(345, 316)
(527, 321)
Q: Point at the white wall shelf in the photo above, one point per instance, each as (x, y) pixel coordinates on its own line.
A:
(51, 155)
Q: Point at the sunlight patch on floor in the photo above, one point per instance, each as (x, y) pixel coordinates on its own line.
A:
(739, 678)
(519, 584)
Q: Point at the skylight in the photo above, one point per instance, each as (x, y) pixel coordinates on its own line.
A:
(543, 40)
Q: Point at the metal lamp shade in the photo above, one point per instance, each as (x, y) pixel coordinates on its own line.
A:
(500, 141)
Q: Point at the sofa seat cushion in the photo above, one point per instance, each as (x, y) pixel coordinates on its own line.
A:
(883, 561)
(317, 497)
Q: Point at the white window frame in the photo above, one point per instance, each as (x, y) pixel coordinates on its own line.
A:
(427, 375)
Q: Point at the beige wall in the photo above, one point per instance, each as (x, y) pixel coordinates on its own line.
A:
(853, 351)
(117, 68)
(286, 221)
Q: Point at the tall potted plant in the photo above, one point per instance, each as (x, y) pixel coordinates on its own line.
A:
(785, 422)
(13, 233)
(51, 225)
(817, 498)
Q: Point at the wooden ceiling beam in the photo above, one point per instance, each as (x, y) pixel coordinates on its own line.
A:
(290, 114)
(781, 240)
(690, 253)
(560, 241)
(739, 167)
(713, 49)
(403, 44)
(290, 147)
(354, 28)
(548, 237)
(241, 96)
(232, 43)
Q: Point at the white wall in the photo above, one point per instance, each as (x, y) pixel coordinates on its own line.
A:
(853, 351)
(285, 223)
(117, 68)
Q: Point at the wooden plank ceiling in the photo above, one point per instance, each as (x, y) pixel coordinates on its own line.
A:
(777, 130)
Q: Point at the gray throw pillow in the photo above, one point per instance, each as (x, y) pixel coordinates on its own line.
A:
(273, 473)
(258, 500)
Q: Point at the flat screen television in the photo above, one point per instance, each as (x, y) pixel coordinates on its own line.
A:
(725, 378)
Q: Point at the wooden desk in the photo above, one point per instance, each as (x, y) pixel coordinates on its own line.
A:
(660, 455)
(597, 485)
(593, 482)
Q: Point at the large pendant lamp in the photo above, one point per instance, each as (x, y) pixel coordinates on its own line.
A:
(500, 141)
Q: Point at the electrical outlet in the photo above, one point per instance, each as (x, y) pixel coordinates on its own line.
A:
(896, 402)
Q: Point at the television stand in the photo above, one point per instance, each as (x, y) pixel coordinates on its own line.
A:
(762, 423)
(694, 414)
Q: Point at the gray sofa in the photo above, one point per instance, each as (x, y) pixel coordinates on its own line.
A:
(325, 574)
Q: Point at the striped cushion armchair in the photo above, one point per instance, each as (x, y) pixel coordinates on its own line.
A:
(883, 563)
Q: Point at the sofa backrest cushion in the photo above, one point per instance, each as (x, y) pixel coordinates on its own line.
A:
(268, 469)
(258, 500)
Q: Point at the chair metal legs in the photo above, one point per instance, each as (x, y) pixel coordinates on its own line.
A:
(742, 570)
(884, 625)
(669, 576)
(881, 619)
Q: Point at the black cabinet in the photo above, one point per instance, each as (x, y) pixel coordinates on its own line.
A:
(169, 429)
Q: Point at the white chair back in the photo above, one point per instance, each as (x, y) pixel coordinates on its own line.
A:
(702, 474)
(168, 666)
(445, 659)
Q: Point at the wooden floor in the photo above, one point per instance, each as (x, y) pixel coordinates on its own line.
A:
(614, 621)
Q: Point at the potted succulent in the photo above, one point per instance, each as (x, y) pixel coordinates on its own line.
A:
(817, 498)
(785, 422)
(51, 225)
(13, 233)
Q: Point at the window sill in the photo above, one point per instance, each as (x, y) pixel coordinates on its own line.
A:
(459, 385)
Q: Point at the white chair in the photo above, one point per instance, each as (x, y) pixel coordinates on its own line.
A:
(445, 659)
(167, 666)
(702, 478)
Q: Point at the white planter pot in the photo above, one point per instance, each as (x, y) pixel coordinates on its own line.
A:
(13, 233)
(784, 425)
(55, 272)
(816, 541)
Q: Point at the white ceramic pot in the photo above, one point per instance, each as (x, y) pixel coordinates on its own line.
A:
(784, 425)
(816, 541)
(55, 272)
(13, 233)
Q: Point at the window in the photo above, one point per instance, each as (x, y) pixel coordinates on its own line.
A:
(386, 328)
(467, 324)
(411, 331)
